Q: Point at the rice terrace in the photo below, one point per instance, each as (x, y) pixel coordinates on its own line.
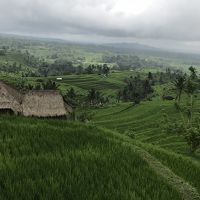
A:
(99, 100)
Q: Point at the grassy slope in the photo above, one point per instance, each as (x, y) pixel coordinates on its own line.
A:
(12, 57)
(73, 161)
(144, 120)
(185, 167)
(82, 83)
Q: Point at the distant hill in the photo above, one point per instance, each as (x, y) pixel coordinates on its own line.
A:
(46, 47)
(132, 46)
(147, 50)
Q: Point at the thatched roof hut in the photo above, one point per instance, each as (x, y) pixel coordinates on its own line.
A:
(10, 98)
(44, 103)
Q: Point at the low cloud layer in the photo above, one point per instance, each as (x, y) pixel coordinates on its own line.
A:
(104, 20)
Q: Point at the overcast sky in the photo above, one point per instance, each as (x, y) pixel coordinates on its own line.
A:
(173, 24)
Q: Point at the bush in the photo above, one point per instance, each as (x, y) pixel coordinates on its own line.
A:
(84, 117)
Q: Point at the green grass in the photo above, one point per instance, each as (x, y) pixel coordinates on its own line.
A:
(52, 159)
(82, 83)
(46, 159)
(187, 168)
(12, 57)
(144, 120)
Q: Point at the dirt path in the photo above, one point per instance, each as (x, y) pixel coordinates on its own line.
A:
(187, 191)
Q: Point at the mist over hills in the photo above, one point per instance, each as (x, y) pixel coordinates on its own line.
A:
(121, 47)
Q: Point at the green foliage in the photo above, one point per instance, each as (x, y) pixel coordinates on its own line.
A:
(131, 133)
(49, 85)
(43, 159)
(172, 126)
(98, 69)
(193, 72)
(179, 84)
(184, 167)
(94, 97)
(2, 52)
(21, 83)
(67, 160)
(71, 97)
(38, 86)
(83, 101)
(190, 131)
(126, 62)
(147, 121)
(192, 137)
(136, 90)
(84, 116)
(188, 126)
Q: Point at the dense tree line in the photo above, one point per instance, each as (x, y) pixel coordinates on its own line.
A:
(92, 98)
(22, 84)
(64, 67)
(163, 77)
(98, 69)
(126, 62)
(3, 50)
(11, 67)
(32, 66)
(136, 89)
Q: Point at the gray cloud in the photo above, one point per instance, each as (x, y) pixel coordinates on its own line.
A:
(161, 19)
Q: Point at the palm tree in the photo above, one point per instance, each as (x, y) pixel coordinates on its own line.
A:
(190, 89)
(179, 84)
(193, 73)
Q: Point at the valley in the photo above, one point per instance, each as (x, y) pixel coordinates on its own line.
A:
(124, 140)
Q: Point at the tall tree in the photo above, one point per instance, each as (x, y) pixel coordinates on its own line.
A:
(49, 85)
(179, 84)
(193, 73)
(105, 69)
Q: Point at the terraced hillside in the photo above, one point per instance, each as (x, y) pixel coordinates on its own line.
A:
(11, 57)
(122, 153)
(101, 83)
(82, 83)
(144, 121)
(75, 161)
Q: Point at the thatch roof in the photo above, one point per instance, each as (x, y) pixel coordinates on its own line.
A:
(12, 91)
(43, 104)
(10, 98)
